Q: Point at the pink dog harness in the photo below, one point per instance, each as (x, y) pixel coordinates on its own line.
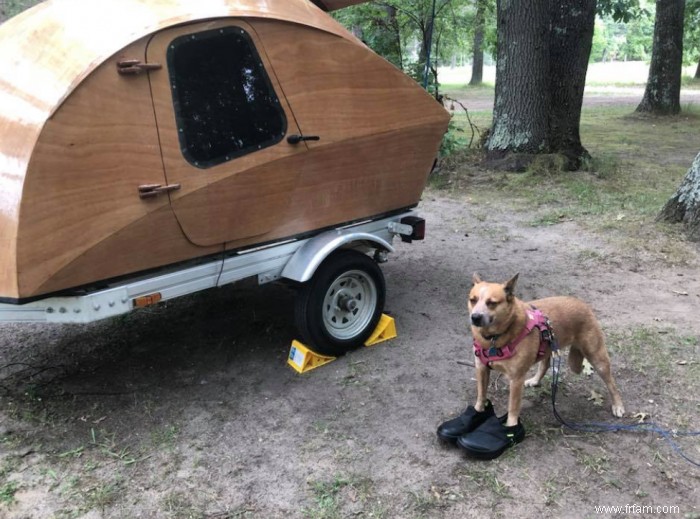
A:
(535, 319)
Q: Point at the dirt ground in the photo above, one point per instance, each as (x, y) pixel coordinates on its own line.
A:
(189, 409)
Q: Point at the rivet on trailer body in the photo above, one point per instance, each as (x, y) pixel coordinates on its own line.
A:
(96, 307)
(49, 310)
(76, 310)
(111, 304)
(62, 310)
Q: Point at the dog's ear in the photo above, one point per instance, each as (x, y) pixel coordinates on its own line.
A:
(476, 278)
(509, 287)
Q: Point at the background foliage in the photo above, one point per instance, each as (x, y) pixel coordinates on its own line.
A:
(624, 30)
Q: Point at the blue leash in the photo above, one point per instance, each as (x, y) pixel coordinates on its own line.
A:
(605, 427)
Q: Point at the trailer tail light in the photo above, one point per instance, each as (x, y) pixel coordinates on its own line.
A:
(418, 226)
(150, 299)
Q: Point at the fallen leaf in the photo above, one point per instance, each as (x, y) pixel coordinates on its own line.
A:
(641, 416)
(680, 293)
(587, 368)
(682, 362)
(596, 397)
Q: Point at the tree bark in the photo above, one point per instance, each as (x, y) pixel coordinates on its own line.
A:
(684, 206)
(697, 71)
(663, 90)
(3, 11)
(573, 22)
(478, 58)
(522, 78)
(543, 51)
(393, 26)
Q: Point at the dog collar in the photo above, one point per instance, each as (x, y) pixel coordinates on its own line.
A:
(535, 319)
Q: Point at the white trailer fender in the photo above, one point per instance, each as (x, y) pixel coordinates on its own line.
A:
(302, 266)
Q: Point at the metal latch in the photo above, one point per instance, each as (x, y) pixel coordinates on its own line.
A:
(133, 67)
(153, 190)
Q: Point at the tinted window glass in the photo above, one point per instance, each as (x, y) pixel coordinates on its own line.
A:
(224, 102)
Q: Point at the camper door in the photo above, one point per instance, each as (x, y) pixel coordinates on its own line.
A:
(223, 123)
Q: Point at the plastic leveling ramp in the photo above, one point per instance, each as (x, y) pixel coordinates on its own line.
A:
(303, 359)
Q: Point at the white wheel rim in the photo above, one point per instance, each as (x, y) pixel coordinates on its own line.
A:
(349, 304)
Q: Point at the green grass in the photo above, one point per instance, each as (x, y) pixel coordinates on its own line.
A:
(329, 496)
(165, 438)
(658, 352)
(488, 478)
(690, 82)
(8, 490)
(637, 163)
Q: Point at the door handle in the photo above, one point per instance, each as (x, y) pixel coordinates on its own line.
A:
(133, 67)
(153, 190)
(296, 139)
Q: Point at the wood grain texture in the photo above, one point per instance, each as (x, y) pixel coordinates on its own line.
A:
(339, 91)
(239, 198)
(74, 149)
(45, 54)
(82, 182)
(141, 245)
(351, 180)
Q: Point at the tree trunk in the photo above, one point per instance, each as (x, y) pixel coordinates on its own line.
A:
(393, 26)
(522, 78)
(697, 71)
(543, 51)
(3, 11)
(478, 60)
(423, 45)
(663, 90)
(573, 22)
(684, 206)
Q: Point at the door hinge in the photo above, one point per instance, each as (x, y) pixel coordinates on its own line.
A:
(133, 67)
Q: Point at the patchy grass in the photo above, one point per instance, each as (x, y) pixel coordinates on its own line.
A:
(332, 498)
(637, 163)
(658, 352)
(485, 90)
(8, 489)
(690, 82)
(165, 437)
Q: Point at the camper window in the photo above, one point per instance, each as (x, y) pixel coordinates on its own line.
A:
(224, 102)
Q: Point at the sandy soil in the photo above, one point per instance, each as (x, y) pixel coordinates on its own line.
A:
(188, 409)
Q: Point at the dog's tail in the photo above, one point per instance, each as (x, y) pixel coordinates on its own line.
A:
(575, 360)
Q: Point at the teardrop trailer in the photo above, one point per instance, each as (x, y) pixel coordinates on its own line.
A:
(150, 150)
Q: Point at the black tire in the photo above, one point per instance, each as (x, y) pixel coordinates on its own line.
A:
(339, 307)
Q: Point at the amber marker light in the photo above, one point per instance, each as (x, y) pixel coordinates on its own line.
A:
(150, 299)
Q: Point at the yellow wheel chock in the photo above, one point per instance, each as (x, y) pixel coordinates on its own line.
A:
(303, 359)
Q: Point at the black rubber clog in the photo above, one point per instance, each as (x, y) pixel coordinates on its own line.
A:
(469, 420)
(491, 439)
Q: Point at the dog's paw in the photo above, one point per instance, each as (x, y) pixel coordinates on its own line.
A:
(532, 382)
(618, 410)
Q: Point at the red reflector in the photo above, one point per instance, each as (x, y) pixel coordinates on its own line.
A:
(418, 226)
(419, 230)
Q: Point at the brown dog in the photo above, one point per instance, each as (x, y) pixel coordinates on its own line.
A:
(498, 318)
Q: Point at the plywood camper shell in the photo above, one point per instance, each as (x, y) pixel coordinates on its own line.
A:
(83, 144)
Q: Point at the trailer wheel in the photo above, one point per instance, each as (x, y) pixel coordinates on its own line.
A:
(339, 307)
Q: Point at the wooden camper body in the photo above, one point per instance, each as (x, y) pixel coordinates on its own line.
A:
(82, 146)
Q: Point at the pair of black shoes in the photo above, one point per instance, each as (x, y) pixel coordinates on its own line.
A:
(482, 434)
